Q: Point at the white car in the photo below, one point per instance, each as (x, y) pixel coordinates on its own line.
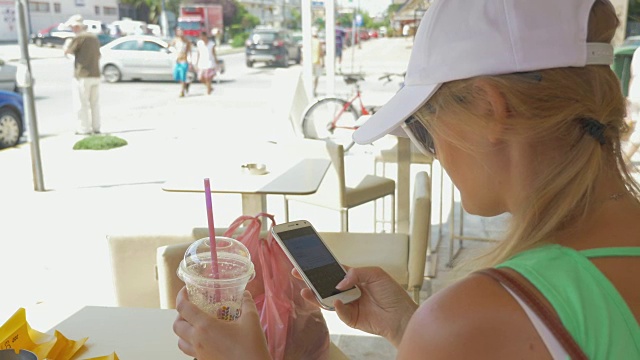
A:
(8, 77)
(137, 57)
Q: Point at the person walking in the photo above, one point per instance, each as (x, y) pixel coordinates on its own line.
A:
(340, 34)
(206, 60)
(526, 119)
(316, 59)
(85, 47)
(182, 47)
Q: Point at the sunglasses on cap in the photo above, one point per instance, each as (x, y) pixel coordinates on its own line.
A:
(419, 136)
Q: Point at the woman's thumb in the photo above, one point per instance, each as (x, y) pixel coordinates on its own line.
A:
(248, 305)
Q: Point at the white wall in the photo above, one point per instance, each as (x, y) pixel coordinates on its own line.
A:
(44, 19)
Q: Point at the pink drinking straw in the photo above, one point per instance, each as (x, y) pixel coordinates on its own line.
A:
(212, 229)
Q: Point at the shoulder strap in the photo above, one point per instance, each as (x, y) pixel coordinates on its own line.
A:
(545, 312)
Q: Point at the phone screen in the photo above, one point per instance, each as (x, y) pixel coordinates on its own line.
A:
(315, 260)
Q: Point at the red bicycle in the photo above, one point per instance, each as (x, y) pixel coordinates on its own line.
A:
(335, 118)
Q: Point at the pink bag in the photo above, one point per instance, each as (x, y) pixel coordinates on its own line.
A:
(294, 328)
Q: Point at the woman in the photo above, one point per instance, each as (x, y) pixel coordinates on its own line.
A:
(206, 61)
(518, 103)
(182, 47)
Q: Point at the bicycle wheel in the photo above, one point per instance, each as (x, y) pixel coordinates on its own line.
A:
(318, 121)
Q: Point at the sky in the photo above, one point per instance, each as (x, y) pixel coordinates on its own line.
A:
(373, 7)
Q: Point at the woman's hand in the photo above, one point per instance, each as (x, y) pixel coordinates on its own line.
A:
(207, 338)
(383, 309)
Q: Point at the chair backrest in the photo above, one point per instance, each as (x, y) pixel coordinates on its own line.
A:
(332, 190)
(419, 228)
(133, 265)
(289, 100)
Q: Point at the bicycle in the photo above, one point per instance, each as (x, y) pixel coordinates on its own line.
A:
(335, 118)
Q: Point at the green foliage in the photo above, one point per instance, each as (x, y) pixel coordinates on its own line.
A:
(295, 21)
(239, 39)
(633, 13)
(99, 142)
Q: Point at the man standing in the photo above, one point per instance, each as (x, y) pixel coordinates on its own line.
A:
(86, 49)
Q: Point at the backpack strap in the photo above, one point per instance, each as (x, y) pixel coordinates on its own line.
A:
(546, 313)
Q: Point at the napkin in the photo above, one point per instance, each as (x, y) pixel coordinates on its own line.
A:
(16, 333)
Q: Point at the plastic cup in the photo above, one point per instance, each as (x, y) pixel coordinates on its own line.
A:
(221, 296)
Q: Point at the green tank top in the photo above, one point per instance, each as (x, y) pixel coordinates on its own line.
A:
(588, 304)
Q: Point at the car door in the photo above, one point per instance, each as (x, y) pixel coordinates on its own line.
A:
(128, 56)
(158, 59)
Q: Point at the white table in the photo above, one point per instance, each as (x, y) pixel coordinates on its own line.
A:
(285, 177)
(132, 333)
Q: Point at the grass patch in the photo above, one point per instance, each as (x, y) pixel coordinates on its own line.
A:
(99, 142)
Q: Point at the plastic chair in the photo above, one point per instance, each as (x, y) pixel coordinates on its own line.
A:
(334, 192)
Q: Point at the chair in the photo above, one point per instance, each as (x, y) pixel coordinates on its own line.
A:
(334, 192)
(390, 156)
(403, 256)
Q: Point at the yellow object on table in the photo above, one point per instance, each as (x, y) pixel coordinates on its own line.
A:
(17, 334)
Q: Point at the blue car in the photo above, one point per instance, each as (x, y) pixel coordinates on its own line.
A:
(11, 119)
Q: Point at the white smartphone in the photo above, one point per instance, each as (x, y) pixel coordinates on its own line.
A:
(314, 261)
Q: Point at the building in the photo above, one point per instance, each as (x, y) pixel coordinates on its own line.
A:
(271, 12)
(407, 18)
(44, 13)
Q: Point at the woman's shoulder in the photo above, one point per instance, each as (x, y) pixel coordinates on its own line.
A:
(476, 315)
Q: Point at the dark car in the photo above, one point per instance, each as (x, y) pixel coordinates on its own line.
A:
(54, 35)
(57, 34)
(272, 46)
(11, 119)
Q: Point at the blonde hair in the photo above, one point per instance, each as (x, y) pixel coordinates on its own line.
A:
(548, 105)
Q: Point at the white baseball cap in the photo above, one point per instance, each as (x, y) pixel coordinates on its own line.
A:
(460, 39)
(75, 20)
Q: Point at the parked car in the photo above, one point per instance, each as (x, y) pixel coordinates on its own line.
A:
(141, 57)
(8, 77)
(57, 34)
(272, 46)
(54, 35)
(11, 119)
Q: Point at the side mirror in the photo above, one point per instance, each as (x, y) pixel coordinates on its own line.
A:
(1, 62)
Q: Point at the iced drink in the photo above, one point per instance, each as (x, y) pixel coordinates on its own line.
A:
(221, 296)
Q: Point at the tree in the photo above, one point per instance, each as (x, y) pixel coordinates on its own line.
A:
(633, 13)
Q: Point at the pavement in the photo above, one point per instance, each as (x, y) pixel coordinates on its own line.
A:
(55, 257)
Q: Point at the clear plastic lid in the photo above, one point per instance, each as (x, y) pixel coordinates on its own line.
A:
(234, 261)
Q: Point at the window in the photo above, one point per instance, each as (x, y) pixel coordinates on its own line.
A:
(127, 45)
(56, 7)
(41, 7)
(97, 10)
(151, 46)
(110, 10)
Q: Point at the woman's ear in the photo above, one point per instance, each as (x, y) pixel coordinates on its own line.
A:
(495, 108)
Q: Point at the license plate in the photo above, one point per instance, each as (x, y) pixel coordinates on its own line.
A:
(262, 47)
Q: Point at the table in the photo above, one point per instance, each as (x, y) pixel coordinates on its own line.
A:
(133, 333)
(285, 177)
